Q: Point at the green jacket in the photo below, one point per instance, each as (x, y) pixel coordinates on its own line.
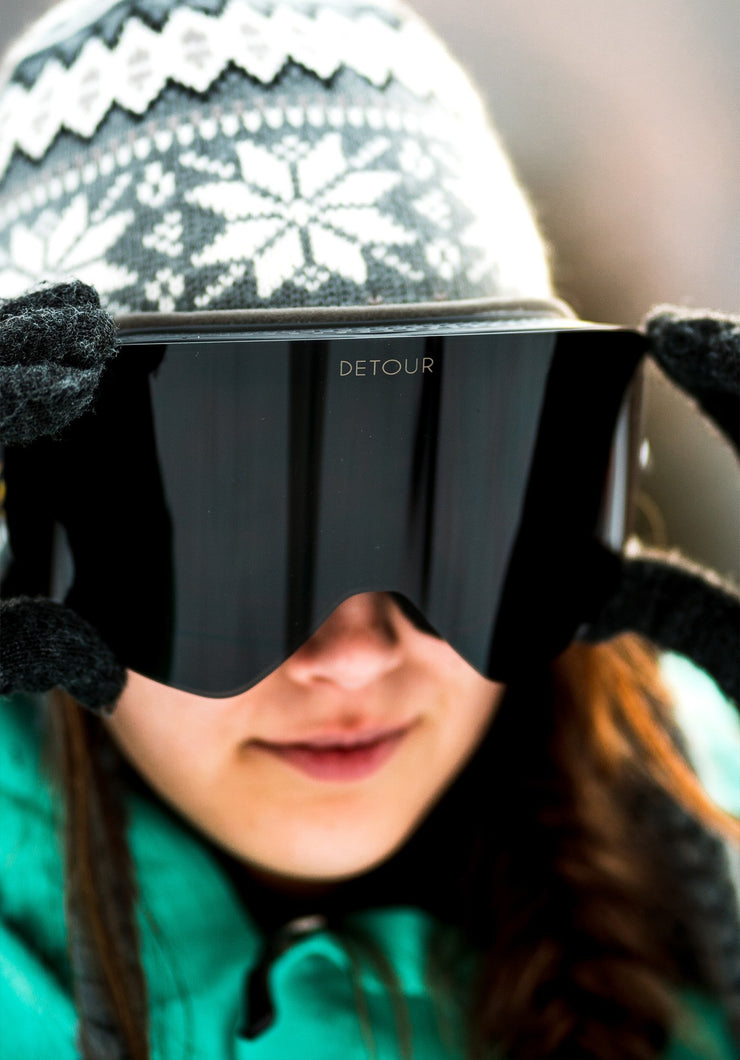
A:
(199, 946)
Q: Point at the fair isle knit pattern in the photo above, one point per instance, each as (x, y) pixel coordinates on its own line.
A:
(224, 154)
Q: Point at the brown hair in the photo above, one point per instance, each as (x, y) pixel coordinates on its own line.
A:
(579, 960)
(552, 884)
(100, 898)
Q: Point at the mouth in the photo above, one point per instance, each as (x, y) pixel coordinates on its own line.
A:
(341, 758)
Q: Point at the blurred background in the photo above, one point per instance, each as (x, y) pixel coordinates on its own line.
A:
(622, 122)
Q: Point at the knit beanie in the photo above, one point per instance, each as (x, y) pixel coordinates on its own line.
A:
(197, 155)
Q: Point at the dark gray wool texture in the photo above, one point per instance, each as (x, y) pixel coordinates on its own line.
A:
(44, 645)
(680, 607)
(54, 346)
(701, 353)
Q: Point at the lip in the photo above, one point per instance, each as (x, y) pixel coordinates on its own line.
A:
(338, 758)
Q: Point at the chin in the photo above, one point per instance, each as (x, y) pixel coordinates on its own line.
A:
(313, 859)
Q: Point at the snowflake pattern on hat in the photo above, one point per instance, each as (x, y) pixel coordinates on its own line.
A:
(60, 245)
(330, 165)
(299, 214)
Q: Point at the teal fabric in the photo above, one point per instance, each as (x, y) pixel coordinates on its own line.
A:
(199, 945)
(711, 727)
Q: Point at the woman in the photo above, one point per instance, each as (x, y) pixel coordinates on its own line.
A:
(368, 846)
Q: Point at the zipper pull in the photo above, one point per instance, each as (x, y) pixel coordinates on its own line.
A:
(259, 1009)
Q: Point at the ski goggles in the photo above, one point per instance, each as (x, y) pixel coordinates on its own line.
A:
(232, 486)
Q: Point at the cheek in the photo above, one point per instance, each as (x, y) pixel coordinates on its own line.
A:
(171, 746)
(467, 700)
(456, 730)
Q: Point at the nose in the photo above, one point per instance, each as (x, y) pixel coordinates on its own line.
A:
(358, 644)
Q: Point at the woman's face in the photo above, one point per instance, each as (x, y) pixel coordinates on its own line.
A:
(325, 767)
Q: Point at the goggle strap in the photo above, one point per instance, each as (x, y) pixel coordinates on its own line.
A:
(679, 606)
